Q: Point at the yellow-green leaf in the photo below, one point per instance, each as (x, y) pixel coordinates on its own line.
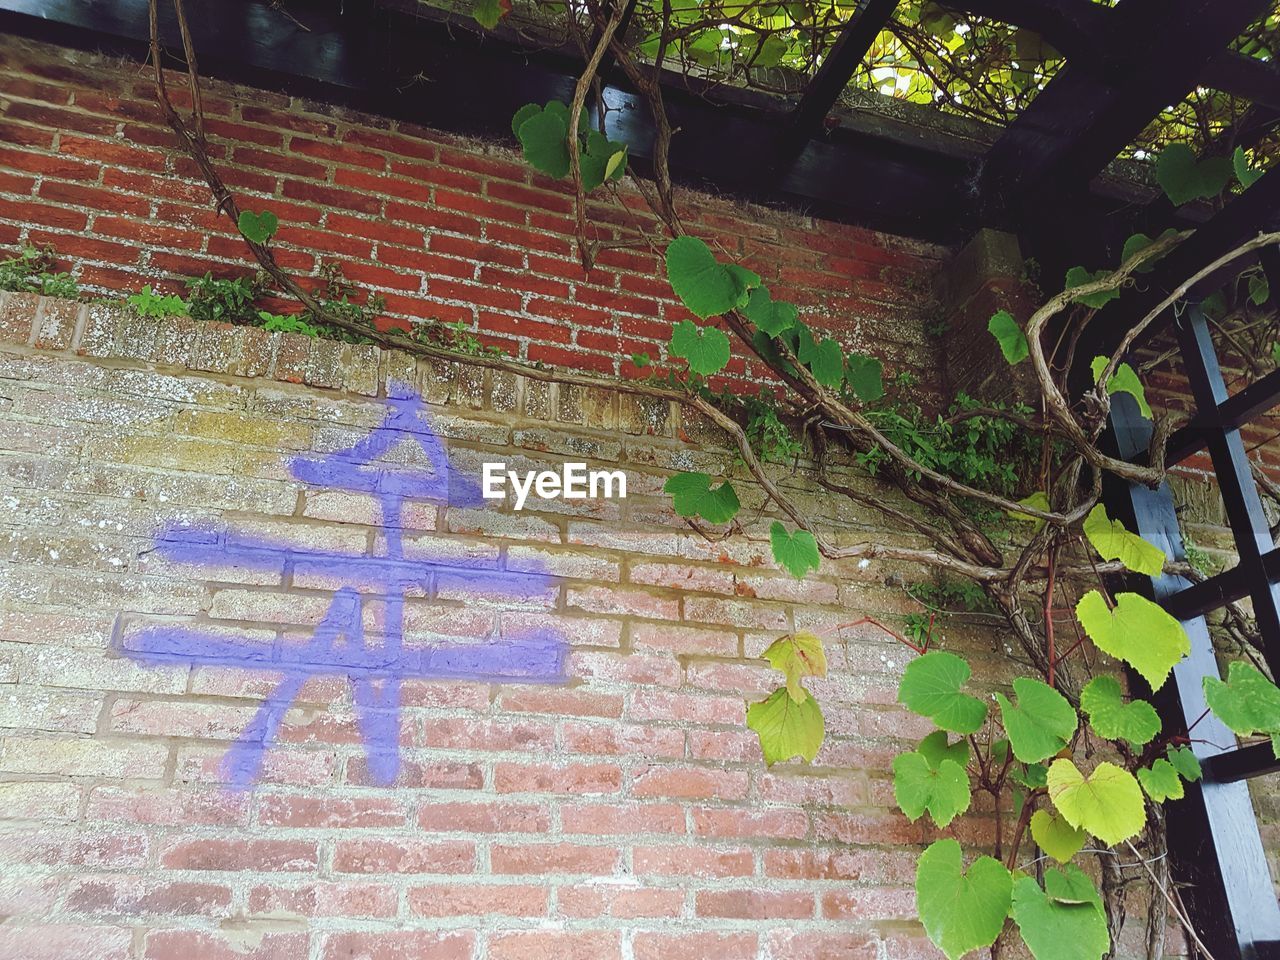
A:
(798, 655)
(1114, 542)
(1137, 631)
(1107, 804)
(1055, 836)
(787, 728)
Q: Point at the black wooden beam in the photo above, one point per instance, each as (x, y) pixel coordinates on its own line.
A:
(833, 76)
(1238, 409)
(1244, 763)
(1083, 32)
(1083, 119)
(1234, 475)
(1214, 843)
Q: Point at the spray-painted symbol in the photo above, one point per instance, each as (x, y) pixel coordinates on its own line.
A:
(338, 646)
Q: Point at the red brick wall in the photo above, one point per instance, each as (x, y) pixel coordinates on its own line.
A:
(443, 228)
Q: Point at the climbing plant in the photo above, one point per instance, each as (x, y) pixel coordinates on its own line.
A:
(1069, 760)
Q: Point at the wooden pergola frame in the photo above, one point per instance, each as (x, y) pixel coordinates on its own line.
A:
(1043, 177)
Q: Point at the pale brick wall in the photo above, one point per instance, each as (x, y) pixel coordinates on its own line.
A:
(625, 813)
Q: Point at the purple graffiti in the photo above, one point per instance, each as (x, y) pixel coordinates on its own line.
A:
(338, 645)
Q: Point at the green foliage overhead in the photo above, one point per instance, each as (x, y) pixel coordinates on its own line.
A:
(1111, 717)
(1113, 542)
(544, 137)
(1107, 803)
(1040, 724)
(797, 552)
(1161, 781)
(774, 317)
(797, 655)
(1137, 631)
(787, 728)
(693, 496)
(258, 227)
(1065, 920)
(1055, 836)
(1124, 380)
(1183, 178)
(704, 285)
(1013, 342)
(1247, 702)
(930, 687)
(1246, 174)
(487, 13)
(1078, 276)
(961, 911)
(706, 349)
(941, 789)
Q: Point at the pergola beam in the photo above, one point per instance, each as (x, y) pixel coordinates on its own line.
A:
(1083, 119)
(833, 76)
(1083, 32)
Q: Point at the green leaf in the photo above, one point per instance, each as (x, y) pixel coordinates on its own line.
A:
(1055, 836)
(1184, 179)
(1136, 244)
(797, 553)
(935, 749)
(544, 137)
(1114, 542)
(797, 655)
(705, 348)
(1078, 276)
(1033, 776)
(616, 166)
(1185, 762)
(1161, 781)
(1036, 501)
(1013, 342)
(487, 13)
(1244, 173)
(523, 114)
(746, 280)
(1137, 631)
(1040, 724)
(961, 911)
(930, 687)
(1247, 702)
(827, 363)
(1107, 804)
(1259, 291)
(771, 316)
(1124, 380)
(787, 728)
(866, 377)
(641, 360)
(258, 227)
(705, 286)
(692, 496)
(1056, 928)
(919, 787)
(1112, 718)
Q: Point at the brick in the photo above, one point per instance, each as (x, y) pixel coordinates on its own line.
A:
(404, 856)
(753, 904)
(479, 900)
(576, 778)
(545, 858)
(247, 944)
(555, 945)
(689, 783)
(208, 853)
(327, 899)
(620, 902)
(670, 861)
(59, 941)
(399, 945)
(649, 945)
